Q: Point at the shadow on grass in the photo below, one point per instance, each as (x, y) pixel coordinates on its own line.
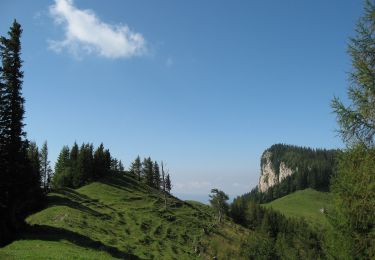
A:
(48, 233)
(66, 201)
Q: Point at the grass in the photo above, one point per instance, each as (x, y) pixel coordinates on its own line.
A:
(120, 218)
(306, 204)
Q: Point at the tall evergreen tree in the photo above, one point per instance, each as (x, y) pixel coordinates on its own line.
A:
(34, 161)
(148, 176)
(84, 172)
(354, 186)
(121, 167)
(19, 186)
(219, 203)
(156, 175)
(99, 162)
(168, 184)
(136, 168)
(45, 168)
(63, 173)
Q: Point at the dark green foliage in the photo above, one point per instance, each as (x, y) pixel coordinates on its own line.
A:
(63, 176)
(357, 122)
(20, 190)
(34, 160)
(353, 215)
(219, 202)
(353, 187)
(147, 173)
(258, 246)
(136, 168)
(85, 169)
(99, 167)
(168, 184)
(45, 168)
(156, 175)
(277, 237)
(80, 166)
(312, 168)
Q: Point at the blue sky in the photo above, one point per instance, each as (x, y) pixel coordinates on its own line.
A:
(206, 86)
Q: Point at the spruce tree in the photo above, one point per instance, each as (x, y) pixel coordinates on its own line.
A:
(156, 175)
(63, 173)
(99, 168)
(19, 184)
(136, 168)
(147, 172)
(121, 167)
(218, 202)
(168, 184)
(45, 168)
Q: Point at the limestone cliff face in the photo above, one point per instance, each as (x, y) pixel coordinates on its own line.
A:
(268, 176)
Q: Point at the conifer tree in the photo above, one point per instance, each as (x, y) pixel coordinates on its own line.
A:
(46, 170)
(121, 167)
(147, 172)
(219, 203)
(34, 160)
(168, 184)
(354, 186)
(20, 189)
(99, 162)
(63, 174)
(136, 168)
(156, 175)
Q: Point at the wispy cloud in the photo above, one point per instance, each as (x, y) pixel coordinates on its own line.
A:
(85, 33)
(192, 185)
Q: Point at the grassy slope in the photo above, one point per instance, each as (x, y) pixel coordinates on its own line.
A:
(121, 218)
(304, 203)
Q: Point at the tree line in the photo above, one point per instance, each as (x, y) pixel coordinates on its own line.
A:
(80, 165)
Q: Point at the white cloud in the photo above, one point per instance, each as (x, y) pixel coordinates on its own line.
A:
(85, 33)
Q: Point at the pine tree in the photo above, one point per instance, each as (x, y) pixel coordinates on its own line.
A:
(34, 160)
(63, 173)
(163, 184)
(19, 185)
(168, 184)
(84, 172)
(121, 167)
(156, 175)
(218, 202)
(99, 162)
(46, 170)
(147, 172)
(136, 168)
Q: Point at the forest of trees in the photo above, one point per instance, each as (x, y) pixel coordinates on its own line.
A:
(276, 236)
(312, 168)
(80, 165)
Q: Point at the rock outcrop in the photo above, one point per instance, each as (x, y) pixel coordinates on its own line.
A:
(269, 176)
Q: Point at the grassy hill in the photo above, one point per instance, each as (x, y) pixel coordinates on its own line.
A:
(119, 217)
(304, 203)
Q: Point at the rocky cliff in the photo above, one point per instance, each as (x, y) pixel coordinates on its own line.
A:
(270, 176)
